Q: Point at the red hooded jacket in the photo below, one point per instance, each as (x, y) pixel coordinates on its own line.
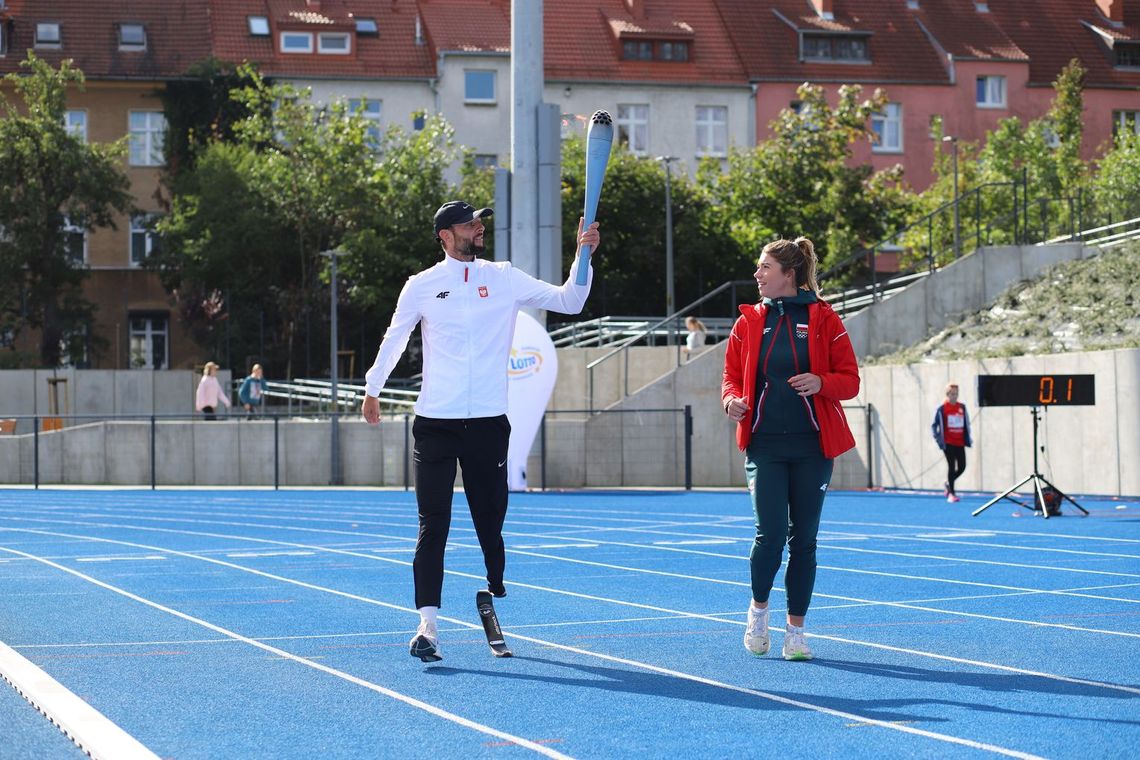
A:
(830, 355)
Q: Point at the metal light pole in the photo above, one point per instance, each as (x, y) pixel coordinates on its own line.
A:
(957, 217)
(669, 300)
(334, 430)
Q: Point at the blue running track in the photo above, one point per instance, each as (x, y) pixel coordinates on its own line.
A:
(262, 624)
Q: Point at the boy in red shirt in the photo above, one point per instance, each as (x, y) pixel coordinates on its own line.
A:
(951, 430)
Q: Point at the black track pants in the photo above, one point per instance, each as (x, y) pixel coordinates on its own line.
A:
(479, 446)
(955, 464)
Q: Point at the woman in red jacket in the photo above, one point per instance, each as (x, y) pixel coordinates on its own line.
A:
(789, 364)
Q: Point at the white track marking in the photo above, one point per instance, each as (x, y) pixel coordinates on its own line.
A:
(625, 568)
(542, 642)
(410, 701)
(831, 535)
(518, 534)
(118, 559)
(562, 592)
(88, 728)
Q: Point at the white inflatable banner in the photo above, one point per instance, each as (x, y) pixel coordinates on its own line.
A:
(532, 369)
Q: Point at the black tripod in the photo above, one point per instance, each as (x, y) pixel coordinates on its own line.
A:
(1037, 478)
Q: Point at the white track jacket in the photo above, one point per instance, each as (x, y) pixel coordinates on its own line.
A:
(466, 311)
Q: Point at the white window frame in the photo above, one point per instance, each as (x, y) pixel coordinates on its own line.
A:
(72, 229)
(991, 99)
(146, 334)
(325, 37)
(44, 40)
(147, 142)
(467, 98)
(132, 47)
(1121, 119)
(75, 124)
(258, 26)
(881, 124)
(373, 111)
(140, 225)
(632, 124)
(712, 127)
(308, 37)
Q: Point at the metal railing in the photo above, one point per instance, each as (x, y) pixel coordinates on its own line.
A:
(608, 331)
(673, 323)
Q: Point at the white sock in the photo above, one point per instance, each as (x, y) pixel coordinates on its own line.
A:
(428, 614)
(794, 628)
(758, 609)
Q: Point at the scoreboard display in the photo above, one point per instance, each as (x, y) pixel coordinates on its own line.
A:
(1036, 390)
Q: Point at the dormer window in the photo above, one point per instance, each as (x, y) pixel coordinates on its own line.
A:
(1127, 54)
(834, 48)
(132, 37)
(48, 35)
(258, 26)
(675, 51)
(334, 43)
(366, 27)
(296, 42)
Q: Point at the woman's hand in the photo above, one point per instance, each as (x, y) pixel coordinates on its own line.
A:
(736, 409)
(806, 384)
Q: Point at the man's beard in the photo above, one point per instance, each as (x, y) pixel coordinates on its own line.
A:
(470, 248)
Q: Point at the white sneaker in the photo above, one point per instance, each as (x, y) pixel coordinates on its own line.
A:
(756, 632)
(425, 644)
(795, 645)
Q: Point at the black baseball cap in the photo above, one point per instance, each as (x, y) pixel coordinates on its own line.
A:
(457, 212)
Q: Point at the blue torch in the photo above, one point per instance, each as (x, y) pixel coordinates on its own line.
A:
(599, 139)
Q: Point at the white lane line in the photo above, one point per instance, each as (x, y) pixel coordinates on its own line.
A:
(700, 553)
(271, 554)
(663, 573)
(584, 652)
(119, 559)
(1019, 533)
(562, 592)
(559, 546)
(88, 728)
(691, 542)
(572, 532)
(410, 701)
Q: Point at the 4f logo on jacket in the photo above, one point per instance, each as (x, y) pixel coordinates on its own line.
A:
(443, 294)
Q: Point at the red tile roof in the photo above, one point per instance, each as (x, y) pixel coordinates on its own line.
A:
(468, 25)
(582, 41)
(176, 36)
(966, 33)
(1051, 33)
(393, 53)
(768, 45)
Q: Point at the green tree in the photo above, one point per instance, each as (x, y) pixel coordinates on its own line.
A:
(1117, 178)
(50, 183)
(629, 277)
(1017, 181)
(801, 182)
(242, 245)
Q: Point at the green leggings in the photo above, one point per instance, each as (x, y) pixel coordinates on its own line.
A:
(787, 478)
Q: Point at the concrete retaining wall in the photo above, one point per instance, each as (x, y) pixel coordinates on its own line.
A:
(963, 287)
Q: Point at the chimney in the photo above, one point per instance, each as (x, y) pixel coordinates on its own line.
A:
(825, 8)
(314, 4)
(1113, 10)
(636, 8)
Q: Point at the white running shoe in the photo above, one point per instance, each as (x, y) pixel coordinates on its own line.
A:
(756, 632)
(795, 645)
(425, 644)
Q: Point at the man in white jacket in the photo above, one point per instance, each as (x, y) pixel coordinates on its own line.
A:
(466, 309)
